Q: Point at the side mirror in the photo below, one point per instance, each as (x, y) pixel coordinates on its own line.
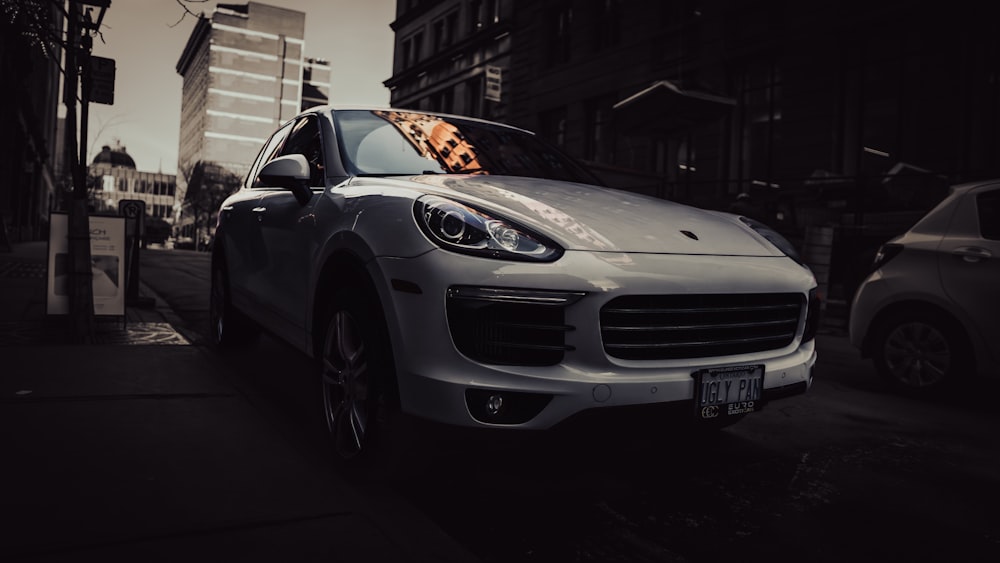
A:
(290, 172)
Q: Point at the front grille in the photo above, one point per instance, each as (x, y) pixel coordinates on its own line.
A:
(505, 327)
(661, 327)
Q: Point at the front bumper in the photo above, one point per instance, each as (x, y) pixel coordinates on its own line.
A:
(434, 377)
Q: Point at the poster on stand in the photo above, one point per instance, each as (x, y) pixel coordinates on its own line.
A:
(107, 264)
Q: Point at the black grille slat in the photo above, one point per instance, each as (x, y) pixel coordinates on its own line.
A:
(692, 343)
(527, 346)
(699, 327)
(695, 326)
(702, 309)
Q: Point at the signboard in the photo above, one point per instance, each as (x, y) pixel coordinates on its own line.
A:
(102, 80)
(107, 257)
(494, 76)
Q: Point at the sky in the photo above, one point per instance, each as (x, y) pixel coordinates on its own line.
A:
(142, 37)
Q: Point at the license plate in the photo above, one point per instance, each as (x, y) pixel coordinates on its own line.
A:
(728, 391)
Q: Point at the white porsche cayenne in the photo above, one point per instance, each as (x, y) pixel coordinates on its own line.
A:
(466, 272)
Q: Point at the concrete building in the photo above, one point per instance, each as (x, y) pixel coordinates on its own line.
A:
(444, 53)
(30, 187)
(242, 70)
(116, 178)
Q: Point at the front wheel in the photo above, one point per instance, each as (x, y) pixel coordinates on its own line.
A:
(919, 351)
(357, 375)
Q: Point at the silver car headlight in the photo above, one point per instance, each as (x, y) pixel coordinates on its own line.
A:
(462, 228)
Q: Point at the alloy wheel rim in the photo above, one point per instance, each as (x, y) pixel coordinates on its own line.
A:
(918, 354)
(345, 385)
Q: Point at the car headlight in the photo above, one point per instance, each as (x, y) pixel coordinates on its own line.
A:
(775, 238)
(462, 228)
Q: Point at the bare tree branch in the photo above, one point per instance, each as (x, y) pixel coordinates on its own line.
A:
(187, 11)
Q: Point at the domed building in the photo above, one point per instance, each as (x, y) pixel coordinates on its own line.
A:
(116, 178)
(116, 158)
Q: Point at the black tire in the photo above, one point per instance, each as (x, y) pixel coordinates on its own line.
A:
(228, 328)
(360, 402)
(920, 351)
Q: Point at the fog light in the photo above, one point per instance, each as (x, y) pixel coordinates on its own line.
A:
(491, 406)
(494, 404)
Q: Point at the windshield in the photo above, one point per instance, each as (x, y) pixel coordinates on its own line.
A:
(402, 143)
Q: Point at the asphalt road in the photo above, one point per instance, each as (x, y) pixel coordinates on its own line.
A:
(847, 472)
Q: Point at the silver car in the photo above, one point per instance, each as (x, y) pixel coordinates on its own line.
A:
(929, 313)
(468, 273)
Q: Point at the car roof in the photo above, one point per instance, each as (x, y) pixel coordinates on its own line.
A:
(937, 220)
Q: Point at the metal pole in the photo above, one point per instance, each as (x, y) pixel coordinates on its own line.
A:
(81, 292)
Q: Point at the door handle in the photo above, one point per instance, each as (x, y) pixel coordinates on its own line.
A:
(259, 212)
(972, 253)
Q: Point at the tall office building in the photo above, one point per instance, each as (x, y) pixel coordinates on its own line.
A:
(244, 72)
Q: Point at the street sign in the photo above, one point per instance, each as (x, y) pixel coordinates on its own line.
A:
(102, 80)
(494, 76)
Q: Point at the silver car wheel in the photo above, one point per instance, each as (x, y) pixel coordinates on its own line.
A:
(917, 354)
(346, 385)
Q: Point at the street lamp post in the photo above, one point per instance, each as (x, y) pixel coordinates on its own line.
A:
(80, 24)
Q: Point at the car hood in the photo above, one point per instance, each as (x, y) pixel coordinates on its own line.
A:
(585, 217)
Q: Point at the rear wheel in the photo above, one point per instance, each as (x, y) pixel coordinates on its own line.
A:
(229, 328)
(920, 351)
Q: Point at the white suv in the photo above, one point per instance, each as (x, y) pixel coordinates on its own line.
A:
(468, 273)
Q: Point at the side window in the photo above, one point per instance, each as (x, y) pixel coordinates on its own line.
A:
(305, 140)
(988, 204)
(269, 152)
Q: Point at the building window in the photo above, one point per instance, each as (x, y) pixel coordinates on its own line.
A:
(761, 102)
(560, 21)
(607, 23)
(600, 139)
(418, 47)
(444, 31)
(407, 53)
(474, 103)
(553, 126)
(443, 101)
(412, 49)
(685, 158)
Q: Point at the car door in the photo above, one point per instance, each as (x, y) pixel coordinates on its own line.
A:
(970, 261)
(242, 243)
(288, 232)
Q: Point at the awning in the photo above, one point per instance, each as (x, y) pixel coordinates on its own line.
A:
(665, 107)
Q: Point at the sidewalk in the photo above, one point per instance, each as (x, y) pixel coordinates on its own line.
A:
(137, 449)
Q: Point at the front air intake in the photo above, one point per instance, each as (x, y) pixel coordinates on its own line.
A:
(509, 326)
